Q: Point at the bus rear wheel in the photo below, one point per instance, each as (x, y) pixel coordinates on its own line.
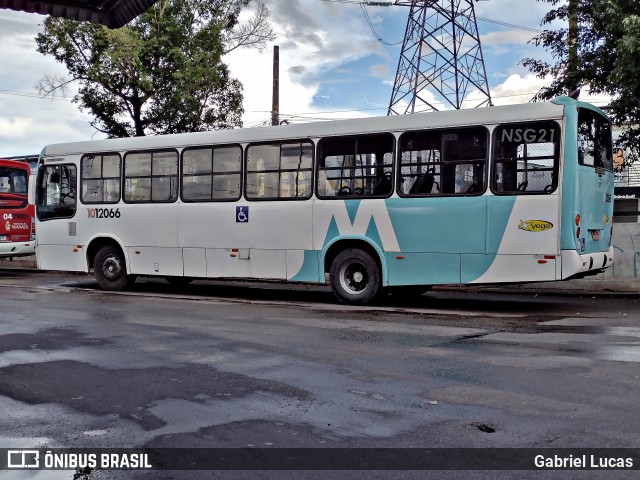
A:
(110, 269)
(355, 277)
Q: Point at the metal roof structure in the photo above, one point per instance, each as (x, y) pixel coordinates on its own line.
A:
(112, 13)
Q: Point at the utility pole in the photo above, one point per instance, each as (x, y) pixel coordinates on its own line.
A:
(275, 104)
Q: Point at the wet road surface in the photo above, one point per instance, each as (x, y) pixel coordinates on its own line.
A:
(238, 364)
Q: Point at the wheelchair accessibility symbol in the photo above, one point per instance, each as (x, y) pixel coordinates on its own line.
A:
(242, 214)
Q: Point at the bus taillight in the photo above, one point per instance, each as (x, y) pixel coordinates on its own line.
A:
(33, 229)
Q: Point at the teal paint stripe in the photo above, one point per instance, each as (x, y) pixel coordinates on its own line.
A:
(443, 239)
(500, 208)
(439, 224)
(474, 266)
(423, 269)
(311, 270)
(352, 209)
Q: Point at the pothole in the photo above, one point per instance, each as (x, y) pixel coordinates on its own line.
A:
(483, 427)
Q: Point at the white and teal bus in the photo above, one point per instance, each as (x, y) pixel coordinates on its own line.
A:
(502, 194)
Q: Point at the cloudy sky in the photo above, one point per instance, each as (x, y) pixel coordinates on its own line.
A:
(331, 66)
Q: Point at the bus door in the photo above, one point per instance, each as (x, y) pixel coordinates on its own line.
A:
(148, 225)
(524, 208)
(256, 228)
(56, 208)
(441, 218)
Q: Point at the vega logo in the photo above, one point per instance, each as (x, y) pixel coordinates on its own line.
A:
(535, 225)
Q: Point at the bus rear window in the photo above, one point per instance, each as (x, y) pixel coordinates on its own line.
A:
(594, 140)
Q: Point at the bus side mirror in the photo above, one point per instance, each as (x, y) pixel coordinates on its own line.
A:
(31, 190)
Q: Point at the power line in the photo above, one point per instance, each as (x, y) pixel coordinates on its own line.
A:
(373, 30)
(312, 115)
(389, 4)
(511, 25)
(14, 93)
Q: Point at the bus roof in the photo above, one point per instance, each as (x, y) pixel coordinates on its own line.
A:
(449, 118)
(7, 162)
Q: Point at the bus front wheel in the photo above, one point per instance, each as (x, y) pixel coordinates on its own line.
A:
(110, 269)
(355, 277)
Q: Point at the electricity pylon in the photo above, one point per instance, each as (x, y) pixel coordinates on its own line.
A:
(441, 59)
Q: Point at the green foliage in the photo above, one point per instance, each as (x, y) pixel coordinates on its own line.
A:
(608, 58)
(162, 73)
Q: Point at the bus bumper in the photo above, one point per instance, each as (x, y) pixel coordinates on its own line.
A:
(17, 249)
(575, 265)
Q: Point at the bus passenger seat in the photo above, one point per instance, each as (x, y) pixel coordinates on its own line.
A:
(384, 186)
(422, 185)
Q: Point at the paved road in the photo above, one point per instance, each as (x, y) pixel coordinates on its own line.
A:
(235, 365)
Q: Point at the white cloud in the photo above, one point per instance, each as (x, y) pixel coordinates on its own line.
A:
(501, 41)
(380, 70)
(518, 89)
(521, 89)
(254, 70)
(27, 122)
(514, 90)
(313, 42)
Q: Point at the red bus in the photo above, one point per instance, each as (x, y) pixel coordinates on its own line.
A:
(17, 224)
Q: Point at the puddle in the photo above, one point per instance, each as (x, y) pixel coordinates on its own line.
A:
(618, 353)
(30, 443)
(623, 331)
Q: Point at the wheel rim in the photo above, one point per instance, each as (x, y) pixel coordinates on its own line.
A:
(354, 278)
(111, 268)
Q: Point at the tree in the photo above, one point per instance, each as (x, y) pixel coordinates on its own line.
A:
(162, 73)
(606, 59)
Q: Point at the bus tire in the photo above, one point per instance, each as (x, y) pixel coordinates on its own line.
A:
(110, 269)
(355, 277)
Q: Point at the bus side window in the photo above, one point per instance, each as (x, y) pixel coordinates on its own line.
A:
(449, 162)
(355, 166)
(526, 158)
(279, 170)
(211, 173)
(151, 176)
(100, 180)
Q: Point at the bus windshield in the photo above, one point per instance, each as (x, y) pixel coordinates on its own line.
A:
(13, 181)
